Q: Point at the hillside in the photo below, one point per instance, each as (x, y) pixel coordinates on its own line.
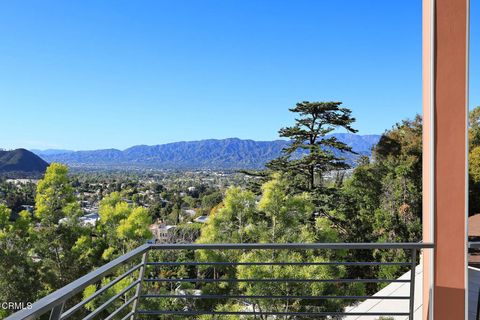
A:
(21, 161)
(230, 153)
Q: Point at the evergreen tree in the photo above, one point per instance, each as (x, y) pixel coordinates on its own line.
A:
(474, 161)
(310, 153)
(58, 229)
(382, 201)
(18, 276)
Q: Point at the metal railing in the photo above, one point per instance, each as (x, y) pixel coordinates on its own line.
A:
(473, 290)
(169, 279)
(474, 244)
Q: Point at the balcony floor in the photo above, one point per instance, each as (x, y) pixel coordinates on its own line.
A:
(393, 289)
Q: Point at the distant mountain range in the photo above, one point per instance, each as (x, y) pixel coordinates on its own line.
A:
(232, 153)
(21, 161)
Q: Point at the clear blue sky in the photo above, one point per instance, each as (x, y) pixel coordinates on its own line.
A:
(101, 74)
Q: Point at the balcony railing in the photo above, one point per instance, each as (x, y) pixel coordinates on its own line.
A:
(146, 281)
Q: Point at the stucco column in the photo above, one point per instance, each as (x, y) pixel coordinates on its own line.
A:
(445, 63)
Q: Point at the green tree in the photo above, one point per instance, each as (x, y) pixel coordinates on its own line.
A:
(286, 216)
(474, 161)
(399, 156)
(121, 228)
(17, 268)
(211, 200)
(474, 128)
(360, 197)
(310, 153)
(474, 165)
(286, 221)
(231, 223)
(55, 198)
(382, 201)
(58, 229)
(278, 217)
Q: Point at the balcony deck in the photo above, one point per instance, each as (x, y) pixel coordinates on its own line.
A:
(393, 289)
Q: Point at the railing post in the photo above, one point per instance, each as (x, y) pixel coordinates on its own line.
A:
(56, 312)
(412, 283)
(138, 292)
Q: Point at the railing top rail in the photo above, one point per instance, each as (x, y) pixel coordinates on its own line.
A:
(45, 304)
(333, 246)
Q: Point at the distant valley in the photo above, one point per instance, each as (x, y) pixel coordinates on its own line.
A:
(232, 153)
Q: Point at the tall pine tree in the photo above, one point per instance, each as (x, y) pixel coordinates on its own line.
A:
(311, 154)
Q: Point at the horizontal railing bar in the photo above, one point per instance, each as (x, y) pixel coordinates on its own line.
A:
(349, 263)
(72, 310)
(276, 280)
(474, 245)
(213, 296)
(123, 306)
(95, 312)
(334, 246)
(47, 303)
(307, 314)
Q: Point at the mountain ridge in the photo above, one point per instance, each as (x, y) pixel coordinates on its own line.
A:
(230, 153)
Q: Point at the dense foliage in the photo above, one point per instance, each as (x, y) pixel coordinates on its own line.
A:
(43, 252)
(277, 217)
(474, 161)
